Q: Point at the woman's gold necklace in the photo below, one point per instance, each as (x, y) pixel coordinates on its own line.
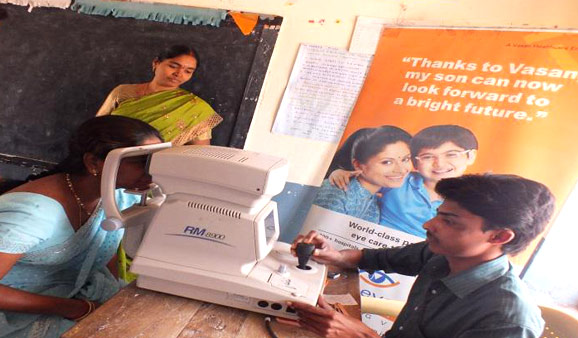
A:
(78, 201)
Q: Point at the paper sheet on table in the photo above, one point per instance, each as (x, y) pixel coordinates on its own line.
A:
(321, 93)
(366, 35)
(345, 299)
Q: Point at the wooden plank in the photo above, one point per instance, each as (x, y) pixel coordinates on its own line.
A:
(346, 283)
(137, 312)
(213, 320)
(254, 327)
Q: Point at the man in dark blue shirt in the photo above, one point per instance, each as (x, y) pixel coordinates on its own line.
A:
(465, 286)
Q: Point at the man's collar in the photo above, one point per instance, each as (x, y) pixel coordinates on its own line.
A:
(415, 179)
(470, 280)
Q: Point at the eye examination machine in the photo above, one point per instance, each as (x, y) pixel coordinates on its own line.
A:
(208, 229)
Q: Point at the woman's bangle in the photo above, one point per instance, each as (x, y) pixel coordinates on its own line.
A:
(91, 307)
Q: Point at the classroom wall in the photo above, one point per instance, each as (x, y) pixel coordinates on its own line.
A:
(331, 23)
(336, 29)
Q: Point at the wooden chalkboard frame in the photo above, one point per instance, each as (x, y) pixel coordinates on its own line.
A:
(33, 136)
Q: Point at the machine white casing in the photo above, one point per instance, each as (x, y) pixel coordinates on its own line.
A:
(214, 237)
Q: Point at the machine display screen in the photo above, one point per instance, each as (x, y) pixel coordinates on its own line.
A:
(270, 226)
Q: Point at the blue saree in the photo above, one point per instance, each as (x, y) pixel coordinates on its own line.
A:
(57, 260)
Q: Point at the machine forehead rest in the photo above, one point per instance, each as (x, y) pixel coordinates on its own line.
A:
(241, 170)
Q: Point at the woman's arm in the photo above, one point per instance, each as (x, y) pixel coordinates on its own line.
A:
(110, 103)
(22, 301)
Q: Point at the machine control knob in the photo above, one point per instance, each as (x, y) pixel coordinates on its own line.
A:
(304, 252)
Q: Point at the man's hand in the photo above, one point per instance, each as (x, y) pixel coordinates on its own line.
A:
(325, 254)
(326, 322)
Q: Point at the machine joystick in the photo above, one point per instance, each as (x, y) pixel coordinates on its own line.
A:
(304, 252)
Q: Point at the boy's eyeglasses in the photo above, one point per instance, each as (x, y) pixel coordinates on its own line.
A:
(448, 156)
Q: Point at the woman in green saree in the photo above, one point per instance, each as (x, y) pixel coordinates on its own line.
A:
(180, 116)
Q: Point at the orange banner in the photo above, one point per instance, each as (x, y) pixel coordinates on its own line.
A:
(516, 91)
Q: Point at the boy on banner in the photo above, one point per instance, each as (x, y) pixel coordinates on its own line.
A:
(466, 286)
(438, 152)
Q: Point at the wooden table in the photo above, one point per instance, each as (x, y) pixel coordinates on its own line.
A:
(135, 312)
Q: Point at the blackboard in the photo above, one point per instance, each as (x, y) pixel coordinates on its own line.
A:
(57, 66)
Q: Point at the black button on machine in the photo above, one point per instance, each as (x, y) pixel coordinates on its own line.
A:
(276, 306)
(263, 303)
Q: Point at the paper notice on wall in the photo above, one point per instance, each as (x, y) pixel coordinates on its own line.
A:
(321, 93)
(366, 35)
(347, 232)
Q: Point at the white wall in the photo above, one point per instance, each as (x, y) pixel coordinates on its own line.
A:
(309, 159)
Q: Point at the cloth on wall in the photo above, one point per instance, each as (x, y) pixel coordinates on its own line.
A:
(245, 21)
(149, 11)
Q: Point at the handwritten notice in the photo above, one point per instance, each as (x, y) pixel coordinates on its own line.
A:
(321, 93)
(366, 35)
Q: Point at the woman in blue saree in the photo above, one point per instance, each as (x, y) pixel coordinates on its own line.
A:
(53, 253)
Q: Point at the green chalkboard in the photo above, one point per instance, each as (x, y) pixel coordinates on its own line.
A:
(57, 66)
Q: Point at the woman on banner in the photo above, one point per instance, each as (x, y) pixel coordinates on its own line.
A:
(53, 252)
(180, 116)
(440, 151)
(381, 156)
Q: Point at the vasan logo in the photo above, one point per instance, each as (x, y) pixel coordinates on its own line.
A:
(202, 233)
(378, 279)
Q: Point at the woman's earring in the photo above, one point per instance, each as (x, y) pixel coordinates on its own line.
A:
(95, 173)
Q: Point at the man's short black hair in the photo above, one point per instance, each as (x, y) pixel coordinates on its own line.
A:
(504, 202)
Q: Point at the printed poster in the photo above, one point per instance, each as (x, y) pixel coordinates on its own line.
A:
(470, 101)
